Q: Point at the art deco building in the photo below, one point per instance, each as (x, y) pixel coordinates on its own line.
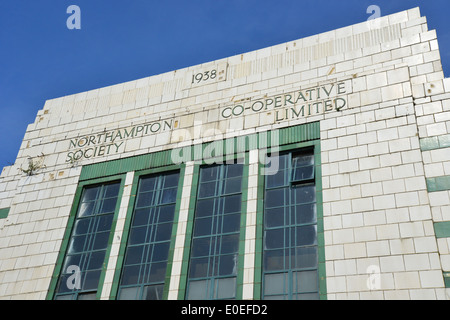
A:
(313, 169)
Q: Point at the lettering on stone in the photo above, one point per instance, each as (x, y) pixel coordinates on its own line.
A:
(301, 103)
(111, 142)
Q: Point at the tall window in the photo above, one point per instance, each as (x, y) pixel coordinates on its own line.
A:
(147, 251)
(215, 242)
(86, 251)
(290, 253)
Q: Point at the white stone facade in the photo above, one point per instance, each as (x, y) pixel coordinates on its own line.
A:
(380, 206)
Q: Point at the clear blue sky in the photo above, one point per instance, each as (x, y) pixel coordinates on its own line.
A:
(119, 41)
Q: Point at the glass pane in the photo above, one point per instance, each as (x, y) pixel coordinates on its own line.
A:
(304, 194)
(101, 240)
(77, 244)
(232, 204)
(274, 260)
(130, 275)
(199, 268)
(302, 160)
(234, 170)
(200, 247)
(308, 296)
(164, 232)
(231, 223)
(274, 217)
(277, 162)
(198, 290)
(303, 173)
(275, 178)
(65, 297)
(137, 235)
(72, 260)
(153, 292)
(307, 281)
(228, 265)
(171, 180)
(209, 173)
(109, 205)
(157, 272)
(86, 209)
(90, 194)
(233, 185)
(112, 190)
(87, 296)
(147, 184)
(306, 257)
(166, 213)
(275, 283)
(128, 293)
(67, 283)
(105, 222)
(306, 213)
(202, 227)
(306, 235)
(276, 297)
(141, 217)
(274, 239)
(169, 195)
(96, 260)
(225, 288)
(271, 168)
(205, 208)
(134, 255)
(90, 280)
(230, 244)
(207, 189)
(274, 198)
(81, 226)
(144, 199)
(160, 251)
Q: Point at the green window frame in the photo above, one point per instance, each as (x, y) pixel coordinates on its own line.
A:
(138, 176)
(290, 250)
(305, 178)
(214, 250)
(146, 257)
(81, 265)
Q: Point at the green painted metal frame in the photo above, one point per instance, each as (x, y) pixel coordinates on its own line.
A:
(127, 225)
(69, 228)
(320, 226)
(190, 226)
